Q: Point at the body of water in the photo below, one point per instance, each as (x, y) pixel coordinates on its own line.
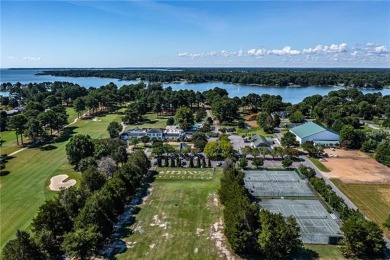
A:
(289, 94)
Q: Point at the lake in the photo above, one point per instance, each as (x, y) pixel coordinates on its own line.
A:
(289, 94)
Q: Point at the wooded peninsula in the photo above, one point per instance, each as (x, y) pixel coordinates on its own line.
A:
(282, 77)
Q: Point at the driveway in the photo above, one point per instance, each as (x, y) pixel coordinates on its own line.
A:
(238, 142)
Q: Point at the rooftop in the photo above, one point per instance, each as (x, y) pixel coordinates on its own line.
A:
(308, 129)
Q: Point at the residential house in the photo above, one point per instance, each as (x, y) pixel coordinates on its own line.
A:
(258, 141)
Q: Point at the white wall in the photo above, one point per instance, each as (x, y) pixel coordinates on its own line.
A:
(323, 136)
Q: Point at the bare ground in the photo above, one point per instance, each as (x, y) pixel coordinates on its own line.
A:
(351, 166)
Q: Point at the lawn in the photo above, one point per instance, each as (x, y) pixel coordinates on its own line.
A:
(176, 221)
(24, 189)
(319, 165)
(324, 252)
(371, 199)
(71, 113)
(253, 131)
(10, 146)
(151, 121)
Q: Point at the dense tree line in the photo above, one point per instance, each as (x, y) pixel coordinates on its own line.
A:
(372, 78)
(250, 230)
(78, 221)
(362, 238)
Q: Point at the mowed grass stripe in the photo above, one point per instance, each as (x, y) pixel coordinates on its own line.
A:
(24, 189)
(187, 209)
(368, 198)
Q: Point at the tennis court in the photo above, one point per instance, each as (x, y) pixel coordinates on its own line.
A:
(276, 184)
(316, 224)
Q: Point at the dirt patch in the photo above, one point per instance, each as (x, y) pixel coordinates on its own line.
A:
(95, 119)
(249, 120)
(220, 239)
(58, 183)
(158, 222)
(355, 167)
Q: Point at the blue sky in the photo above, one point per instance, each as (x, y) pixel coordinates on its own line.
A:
(195, 33)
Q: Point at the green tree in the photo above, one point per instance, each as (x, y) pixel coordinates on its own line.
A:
(212, 149)
(224, 109)
(199, 140)
(279, 238)
(79, 106)
(382, 154)
(82, 243)
(3, 120)
(226, 148)
(18, 123)
(289, 140)
(170, 121)
(79, 147)
(242, 163)
(21, 248)
(114, 129)
(92, 179)
(362, 238)
(184, 118)
(350, 137)
(286, 162)
(258, 162)
(297, 117)
(34, 130)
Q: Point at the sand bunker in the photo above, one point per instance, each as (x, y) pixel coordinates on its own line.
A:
(57, 182)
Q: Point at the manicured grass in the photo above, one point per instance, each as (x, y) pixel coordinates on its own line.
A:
(10, 145)
(325, 251)
(71, 113)
(176, 220)
(25, 188)
(151, 121)
(371, 199)
(253, 131)
(319, 165)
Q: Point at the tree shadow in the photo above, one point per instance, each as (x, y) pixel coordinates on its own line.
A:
(4, 173)
(66, 134)
(307, 253)
(116, 245)
(48, 147)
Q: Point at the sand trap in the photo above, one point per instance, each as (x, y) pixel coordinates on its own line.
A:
(57, 182)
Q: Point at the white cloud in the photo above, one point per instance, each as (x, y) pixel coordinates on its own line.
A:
(338, 48)
(381, 50)
(240, 53)
(320, 49)
(258, 52)
(31, 58)
(285, 51)
(10, 57)
(225, 53)
(354, 53)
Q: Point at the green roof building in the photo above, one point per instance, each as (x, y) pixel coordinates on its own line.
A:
(315, 133)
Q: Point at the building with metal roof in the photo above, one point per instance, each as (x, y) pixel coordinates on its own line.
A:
(258, 141)
(315, 133)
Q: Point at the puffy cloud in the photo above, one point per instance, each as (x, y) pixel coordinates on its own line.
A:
(319, 49)
(285, 51)
(196, 55)
(354, 53)
(225, 53)
(338, 48)
(381, 50)
(258, 52)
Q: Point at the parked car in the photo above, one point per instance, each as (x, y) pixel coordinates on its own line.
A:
(219, 164)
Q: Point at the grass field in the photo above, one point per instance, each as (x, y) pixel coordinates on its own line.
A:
(24, 189)
(151, 121)
(175, 222)
(319, 165)
(10, 146)
(253, 131)
(371, 199)
(326, 252)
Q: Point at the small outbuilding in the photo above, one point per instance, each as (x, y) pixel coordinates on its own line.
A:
(315, 133)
